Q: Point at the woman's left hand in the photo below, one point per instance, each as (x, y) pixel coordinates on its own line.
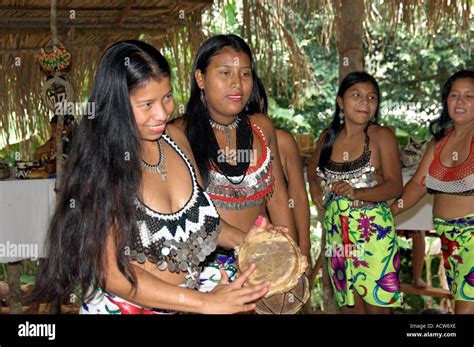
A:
(343, 188)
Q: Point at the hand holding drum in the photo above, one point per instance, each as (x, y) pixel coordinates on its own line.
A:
(279, 260)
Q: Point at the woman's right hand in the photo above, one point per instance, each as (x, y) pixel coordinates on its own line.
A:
(318, 201)
(229, 298)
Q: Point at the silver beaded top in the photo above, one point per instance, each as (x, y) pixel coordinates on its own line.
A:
(241, 196)
(359, 173)
(178, 241)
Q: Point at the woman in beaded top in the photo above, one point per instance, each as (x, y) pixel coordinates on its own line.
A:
(234, 144)
(447, 172)
(353, 171)
(127, 164)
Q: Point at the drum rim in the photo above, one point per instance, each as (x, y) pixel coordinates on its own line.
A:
(306, 290)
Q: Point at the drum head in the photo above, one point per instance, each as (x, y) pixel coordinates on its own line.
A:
(278, 260)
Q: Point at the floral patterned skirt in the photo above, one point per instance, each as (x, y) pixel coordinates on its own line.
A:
(107, 303)
(220, 259)
(457, 243)
(363, 254)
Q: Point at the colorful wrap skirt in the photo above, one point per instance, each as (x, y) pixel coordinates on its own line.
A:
(107, 303)
(363, 254)
(220, 259)
(457, 243)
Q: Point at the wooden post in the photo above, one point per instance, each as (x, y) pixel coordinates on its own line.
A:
(350, 33)
(429, 276)
(14, 270)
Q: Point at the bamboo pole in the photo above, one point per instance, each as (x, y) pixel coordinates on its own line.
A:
(56, 304)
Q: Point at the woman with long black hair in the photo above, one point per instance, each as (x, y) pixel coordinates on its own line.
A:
(447, 171)
(293, 174)
(354, 170)
(234, 144)
(132, 223)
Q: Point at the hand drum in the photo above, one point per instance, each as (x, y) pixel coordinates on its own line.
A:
(278, 260)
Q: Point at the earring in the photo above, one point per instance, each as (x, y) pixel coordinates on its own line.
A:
(373, 120)
(341, 117)
(203, 98)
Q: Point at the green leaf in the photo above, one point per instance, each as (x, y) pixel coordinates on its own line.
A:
(230, 13)
(25, 279)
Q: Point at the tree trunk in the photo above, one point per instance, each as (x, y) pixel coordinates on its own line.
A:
(14, 286)
(350, 33)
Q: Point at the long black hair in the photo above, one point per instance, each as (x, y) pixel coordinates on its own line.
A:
(440, 125)
(198, 130)
(262, 96)
(335, 127)
(101, 179)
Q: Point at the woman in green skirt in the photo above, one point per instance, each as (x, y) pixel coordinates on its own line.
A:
(447, 172)
(354, 170)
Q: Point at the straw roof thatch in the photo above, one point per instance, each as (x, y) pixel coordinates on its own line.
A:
(85, 28)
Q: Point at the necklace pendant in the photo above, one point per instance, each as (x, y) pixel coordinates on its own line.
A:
(227, 135)
(164, 176)
(160, 167)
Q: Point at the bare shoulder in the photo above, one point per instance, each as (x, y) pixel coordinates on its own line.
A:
(263, 121)
(285, 139)
(178, 136)
(382, 135)
(179, 122)
(430, 149)
(284, 135)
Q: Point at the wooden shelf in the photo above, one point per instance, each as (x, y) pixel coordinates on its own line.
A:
(428, 291)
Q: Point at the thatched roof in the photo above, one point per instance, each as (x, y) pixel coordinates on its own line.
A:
(85, 28)
(26, 24)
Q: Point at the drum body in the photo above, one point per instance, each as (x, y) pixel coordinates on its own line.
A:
(278, 260)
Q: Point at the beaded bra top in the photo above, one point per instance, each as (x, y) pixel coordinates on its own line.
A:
(359, 173)
(249, 190)
(457, 180)
(178, 241)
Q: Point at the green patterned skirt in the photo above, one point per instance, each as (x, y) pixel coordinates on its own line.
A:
(457, 243)
(363, 254)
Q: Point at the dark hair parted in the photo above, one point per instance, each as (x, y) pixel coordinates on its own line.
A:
(335, 127)
(101, 179)
(440, 125)
(198, 130)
